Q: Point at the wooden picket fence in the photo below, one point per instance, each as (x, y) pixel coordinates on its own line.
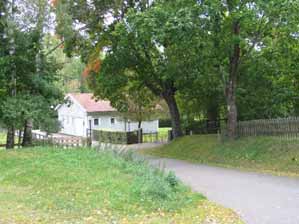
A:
(282, 127)
(61, 141)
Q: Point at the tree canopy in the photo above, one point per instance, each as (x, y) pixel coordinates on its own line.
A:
(231, 59)
(216, 56)
(28, 76)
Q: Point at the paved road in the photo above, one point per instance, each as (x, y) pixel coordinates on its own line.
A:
(258, 198)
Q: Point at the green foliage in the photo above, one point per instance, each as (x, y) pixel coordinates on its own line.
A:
(2, 137)
(153, 52)
(266, 83)
(69, 69)
(268, 43)
(136, 102)
(93, 18)
(27, 75)
(115, 137)
(16, 110)
(164, 123)
(144, 51)
(198, 51)
(172, 179)
(36, 93)
(198, 58)
(269, 75)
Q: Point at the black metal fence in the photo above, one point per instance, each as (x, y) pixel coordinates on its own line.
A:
(205, 126)
(127, 138)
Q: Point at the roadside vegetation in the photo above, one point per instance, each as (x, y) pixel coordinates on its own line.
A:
(2, 138)
(164, 131)
(263, 154)
(46, 185)
(162, 135)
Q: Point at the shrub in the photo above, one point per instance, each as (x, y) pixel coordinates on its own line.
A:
(172, 179)
(153, 185)
(115, 137)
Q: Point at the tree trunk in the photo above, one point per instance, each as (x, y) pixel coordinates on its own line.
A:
(232, 114)
(174, 114)
(139, 124)
(234, 61)
(10, 138)
(27, 136)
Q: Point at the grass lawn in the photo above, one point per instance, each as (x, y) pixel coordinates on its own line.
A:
(164, 131)
(162, 135)
(45, 185)
(2, 138)
(264, 154)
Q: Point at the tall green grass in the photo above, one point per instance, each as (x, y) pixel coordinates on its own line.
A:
(2, 138)
(67, 185)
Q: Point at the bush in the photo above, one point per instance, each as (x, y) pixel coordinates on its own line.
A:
(154, 186)
(115, 137)
(202, 126)
(172, 179)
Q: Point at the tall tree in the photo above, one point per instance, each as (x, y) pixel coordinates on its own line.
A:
(81, 24)
(143, 49)
(225, 38)
(239, 29)
(8, 20)
(71, 69)
(25, 71)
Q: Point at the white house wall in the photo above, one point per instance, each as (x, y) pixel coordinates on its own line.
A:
(105, 123)
(147, 126)
(73, 119)
(122, 125)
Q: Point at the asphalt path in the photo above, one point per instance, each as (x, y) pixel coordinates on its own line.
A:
(257, 198)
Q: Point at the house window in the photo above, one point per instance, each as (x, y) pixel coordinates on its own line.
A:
(96, 122)
(112, 120)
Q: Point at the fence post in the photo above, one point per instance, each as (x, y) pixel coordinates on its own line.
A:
(170, 135)
(89, 137)
(140, 135)
(126, 138)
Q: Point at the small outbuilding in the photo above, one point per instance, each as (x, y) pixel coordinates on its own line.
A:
(80, 112)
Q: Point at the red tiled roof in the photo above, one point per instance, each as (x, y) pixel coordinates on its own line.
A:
(87, 101)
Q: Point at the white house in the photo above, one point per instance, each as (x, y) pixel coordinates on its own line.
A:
(81, 112)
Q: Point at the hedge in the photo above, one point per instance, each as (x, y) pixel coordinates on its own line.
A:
(115, 137)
